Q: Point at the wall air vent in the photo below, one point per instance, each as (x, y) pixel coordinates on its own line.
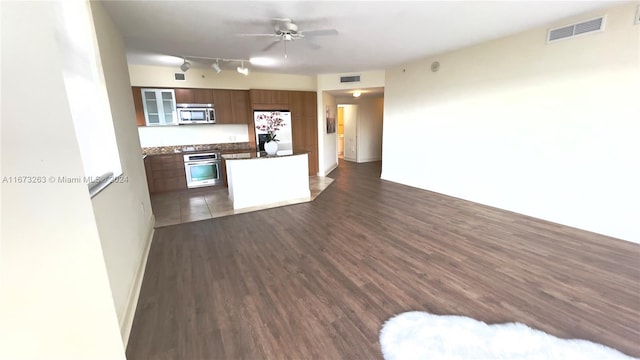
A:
(179, 77)
(569, 31)
(348, 79)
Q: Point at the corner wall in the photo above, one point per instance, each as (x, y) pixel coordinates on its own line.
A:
(547, 130)
(55, 298)
(122, 210)
(329, 141)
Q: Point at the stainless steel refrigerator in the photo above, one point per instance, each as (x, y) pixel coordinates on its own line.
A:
(283, 135)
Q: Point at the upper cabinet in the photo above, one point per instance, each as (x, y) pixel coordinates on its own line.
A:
(241, 106)
(303, 104)
(232, 106)
(269, 99)
(137, 104)
(222, 105)
(194, 96)
(159, 107)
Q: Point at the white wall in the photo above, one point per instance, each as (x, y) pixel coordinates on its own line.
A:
(549, 131)
(192, 134)
(368, 79)
(123, 210)
(55, 297)
(369, 115)
(144, 75)
(327, 144)
(329, 154)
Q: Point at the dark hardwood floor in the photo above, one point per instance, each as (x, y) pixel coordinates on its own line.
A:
(317, 280)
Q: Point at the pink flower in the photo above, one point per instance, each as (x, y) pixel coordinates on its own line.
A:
(274, 122)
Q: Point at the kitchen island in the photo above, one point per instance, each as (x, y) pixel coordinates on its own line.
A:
(258, 179)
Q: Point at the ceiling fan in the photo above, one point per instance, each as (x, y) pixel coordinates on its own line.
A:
(285, 30)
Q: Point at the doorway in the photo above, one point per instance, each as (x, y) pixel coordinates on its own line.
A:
(350, 131)
(340, 132)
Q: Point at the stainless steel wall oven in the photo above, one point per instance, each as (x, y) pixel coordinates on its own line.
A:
(203, 169)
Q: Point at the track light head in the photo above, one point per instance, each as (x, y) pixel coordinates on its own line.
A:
(185, 65)
(216, 67)
(242, 70)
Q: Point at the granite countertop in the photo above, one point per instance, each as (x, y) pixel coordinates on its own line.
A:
(259, 155)
(229, 148)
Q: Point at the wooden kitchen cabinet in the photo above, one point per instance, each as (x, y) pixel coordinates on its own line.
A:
(222, 105)
(202, 96)
(241, 106)
(194, 96)
(232, 106)
(304, 127)
(137, 104)
(149, 172)
(167, 172)
(269, 99)
(184, 96)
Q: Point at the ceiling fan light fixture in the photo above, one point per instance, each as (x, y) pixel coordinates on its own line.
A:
(185, 65)
(357, 93)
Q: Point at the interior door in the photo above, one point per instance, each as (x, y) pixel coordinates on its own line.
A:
(350, 132)
(341, 131)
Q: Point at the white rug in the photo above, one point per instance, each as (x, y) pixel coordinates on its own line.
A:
(420, 335)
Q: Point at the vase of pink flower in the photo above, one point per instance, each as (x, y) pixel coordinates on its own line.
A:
(270, 123)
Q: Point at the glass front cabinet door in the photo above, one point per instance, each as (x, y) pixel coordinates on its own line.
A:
(159, 107)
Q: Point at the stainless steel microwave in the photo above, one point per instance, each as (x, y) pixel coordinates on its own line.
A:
(196, 114)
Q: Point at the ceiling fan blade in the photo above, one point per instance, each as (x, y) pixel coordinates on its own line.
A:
(271, 45)
(283, 20)
(259, 35)
(325, 32)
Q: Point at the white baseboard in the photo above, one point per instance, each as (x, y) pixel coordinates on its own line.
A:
(327, 171)
(369, 159)
(134, 292)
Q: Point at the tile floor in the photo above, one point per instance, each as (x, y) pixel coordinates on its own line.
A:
(179, 207)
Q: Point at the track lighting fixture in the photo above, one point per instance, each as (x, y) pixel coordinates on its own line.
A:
(185, 65)
(216, 67)
(242, 70)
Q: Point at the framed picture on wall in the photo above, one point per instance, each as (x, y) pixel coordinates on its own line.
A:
(331, 122)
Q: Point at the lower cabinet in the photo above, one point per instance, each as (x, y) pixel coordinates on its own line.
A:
(165, 172)
(148, 171)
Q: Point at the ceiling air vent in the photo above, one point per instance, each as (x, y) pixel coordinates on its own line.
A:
(179, 77)
(348, 79)
(572, 30)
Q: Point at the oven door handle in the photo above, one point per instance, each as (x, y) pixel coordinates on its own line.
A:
(202, 162)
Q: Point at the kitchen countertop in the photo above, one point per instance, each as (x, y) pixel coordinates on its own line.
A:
(228, 148)
(259, 155)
